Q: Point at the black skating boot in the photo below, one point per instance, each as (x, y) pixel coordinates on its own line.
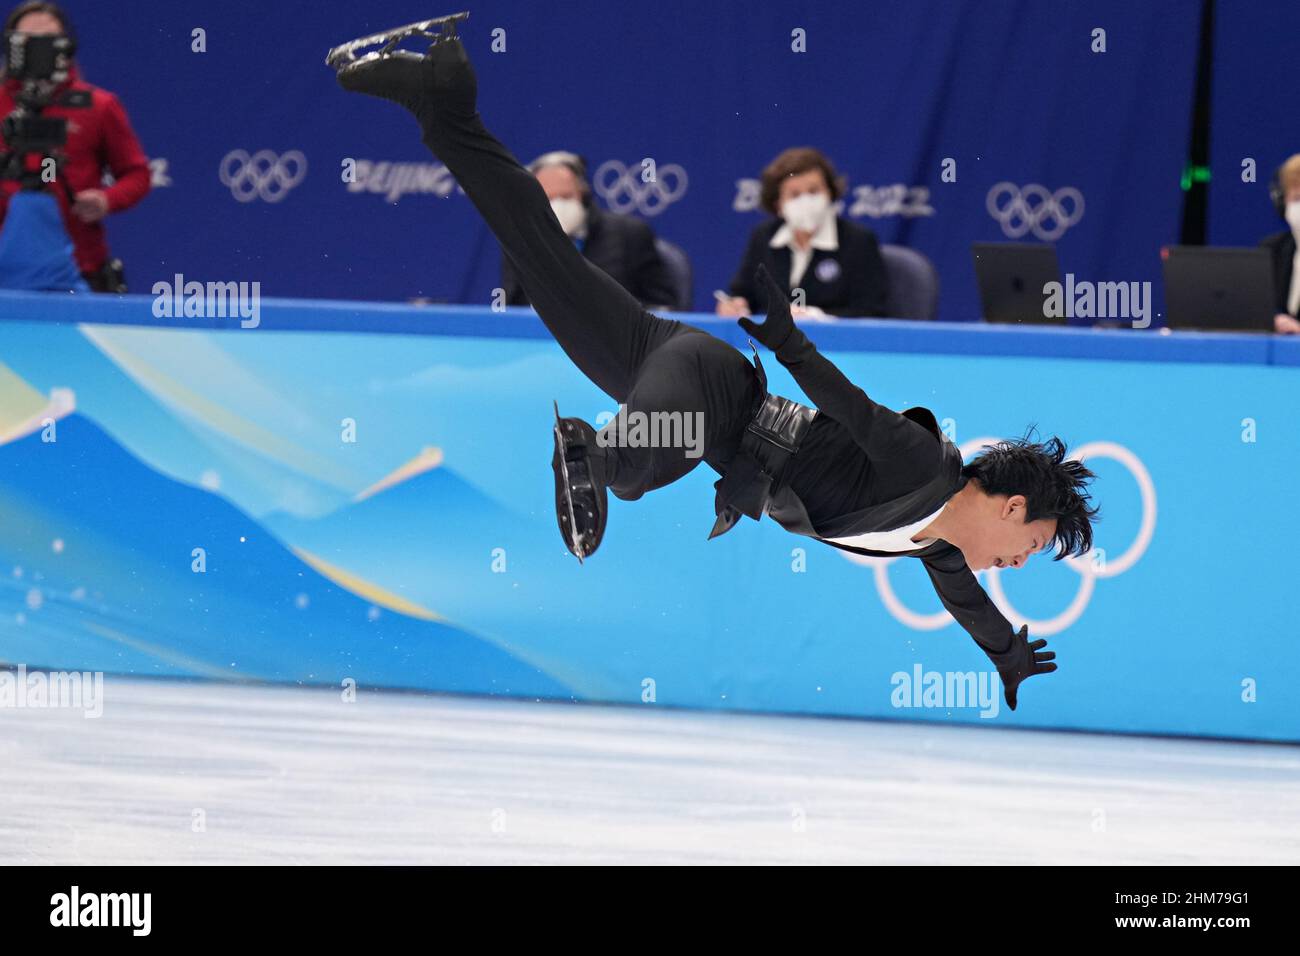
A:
(581, 502)
(440, 79)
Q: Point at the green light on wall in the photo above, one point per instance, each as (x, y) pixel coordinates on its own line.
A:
(1195, 174)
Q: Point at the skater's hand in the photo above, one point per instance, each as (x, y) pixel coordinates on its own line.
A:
(774, 332)
(1023, 660)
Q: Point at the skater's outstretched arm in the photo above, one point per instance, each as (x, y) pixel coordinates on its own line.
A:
(1010, 651)
(881, 432)
(886, 435)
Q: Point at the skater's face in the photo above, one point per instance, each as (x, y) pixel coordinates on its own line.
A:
(1004, 538)
(559, 182)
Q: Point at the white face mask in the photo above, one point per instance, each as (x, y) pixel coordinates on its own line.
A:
(1293, 216)
(571, 213)
(806, 213)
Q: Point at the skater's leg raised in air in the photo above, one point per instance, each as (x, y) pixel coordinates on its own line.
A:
(644, 362)
(603, 329)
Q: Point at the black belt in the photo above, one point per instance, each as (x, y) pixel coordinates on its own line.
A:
(769, 441)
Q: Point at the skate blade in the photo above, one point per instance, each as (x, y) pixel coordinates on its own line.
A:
(345, 54)
(568, 497)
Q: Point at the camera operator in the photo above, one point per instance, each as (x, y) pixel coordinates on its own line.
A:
(54, 120)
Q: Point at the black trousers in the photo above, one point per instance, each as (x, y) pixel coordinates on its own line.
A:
(647, 363)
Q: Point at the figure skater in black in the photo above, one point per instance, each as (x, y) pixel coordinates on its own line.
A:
(851, 473)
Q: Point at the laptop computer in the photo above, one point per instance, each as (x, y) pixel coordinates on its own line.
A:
(1225, 289)
(1011, 277)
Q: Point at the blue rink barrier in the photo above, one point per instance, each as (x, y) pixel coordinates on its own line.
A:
(363, 492)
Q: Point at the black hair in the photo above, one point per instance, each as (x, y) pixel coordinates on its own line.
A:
(1053, 486)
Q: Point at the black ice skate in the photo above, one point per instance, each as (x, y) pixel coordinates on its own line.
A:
(345, 56)
(581, 503)
(433, 86)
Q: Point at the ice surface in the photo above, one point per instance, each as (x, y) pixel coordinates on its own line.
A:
(289, 775)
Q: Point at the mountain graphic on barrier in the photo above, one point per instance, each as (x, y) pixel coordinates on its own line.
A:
(424, 532)
(97, 571)
(423, 497)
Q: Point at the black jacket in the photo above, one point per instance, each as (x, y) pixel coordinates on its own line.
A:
(624, 248)
(912, 468)
(1282, 248)
(853, 282)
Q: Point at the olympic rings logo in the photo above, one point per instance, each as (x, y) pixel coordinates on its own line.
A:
(1034, 209)
(262, 175)
(1087, 569)
(625, 191)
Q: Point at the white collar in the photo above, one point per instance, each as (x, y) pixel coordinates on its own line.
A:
(826, 238)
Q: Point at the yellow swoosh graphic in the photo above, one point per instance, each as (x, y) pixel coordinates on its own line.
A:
(363, 588)
(247, 433)
(166, 655)
(428, 459)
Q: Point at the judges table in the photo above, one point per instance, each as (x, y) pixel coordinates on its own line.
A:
(325, 492)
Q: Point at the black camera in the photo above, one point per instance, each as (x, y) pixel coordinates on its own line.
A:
(30, 57)
(41, 63)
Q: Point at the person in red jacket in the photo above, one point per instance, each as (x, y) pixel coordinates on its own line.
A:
(100, 139)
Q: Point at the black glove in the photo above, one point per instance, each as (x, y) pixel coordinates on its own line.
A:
(1022, 660)
(780, 324)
